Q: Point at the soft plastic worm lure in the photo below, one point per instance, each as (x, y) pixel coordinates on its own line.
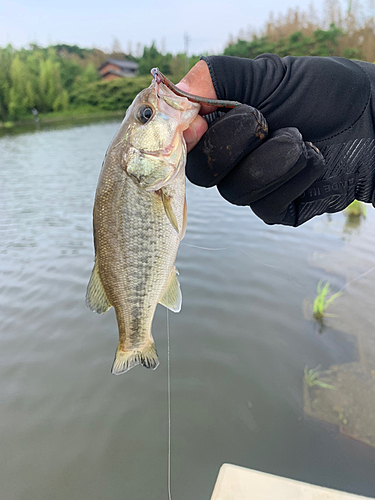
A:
(160, 78)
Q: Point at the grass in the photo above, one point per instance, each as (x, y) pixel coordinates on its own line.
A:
(321, 302)
(7, 124)
(311, 378)
(356, 209)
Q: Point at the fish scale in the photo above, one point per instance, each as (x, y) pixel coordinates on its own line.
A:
(146, 267)
(139, 221)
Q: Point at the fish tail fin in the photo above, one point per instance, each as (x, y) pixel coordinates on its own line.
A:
(125, 360)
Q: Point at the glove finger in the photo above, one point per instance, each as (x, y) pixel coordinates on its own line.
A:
(272, 208)
(272, 164)
(224, 144)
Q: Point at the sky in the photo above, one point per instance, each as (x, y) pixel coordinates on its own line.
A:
(208, 23)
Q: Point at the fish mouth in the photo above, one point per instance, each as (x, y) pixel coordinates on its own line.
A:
(167, 151)
(154, 169)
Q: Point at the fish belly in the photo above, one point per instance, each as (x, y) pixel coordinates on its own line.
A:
(136, 247)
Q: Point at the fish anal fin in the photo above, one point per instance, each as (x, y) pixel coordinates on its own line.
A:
(96, 298)
(169, 210)
(127, 359)
(172, 297)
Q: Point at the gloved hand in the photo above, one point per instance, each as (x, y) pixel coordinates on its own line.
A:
(266, 173)
(284, 177)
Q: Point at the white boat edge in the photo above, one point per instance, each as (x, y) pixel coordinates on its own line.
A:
(238, 483)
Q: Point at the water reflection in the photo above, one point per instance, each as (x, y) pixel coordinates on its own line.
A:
(352, 224)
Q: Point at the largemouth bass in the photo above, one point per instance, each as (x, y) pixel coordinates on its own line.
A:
(139, 221)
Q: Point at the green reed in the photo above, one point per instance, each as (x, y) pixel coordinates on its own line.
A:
(356, 209)
(311, 378)
(321, 301)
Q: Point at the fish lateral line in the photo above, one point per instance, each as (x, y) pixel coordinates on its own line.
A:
(219, 103)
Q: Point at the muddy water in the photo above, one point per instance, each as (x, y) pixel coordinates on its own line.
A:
(69, 429)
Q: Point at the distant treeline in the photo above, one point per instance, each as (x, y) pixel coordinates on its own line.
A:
(340, 30)
(43, 78)
(319, 43)
(64, 78)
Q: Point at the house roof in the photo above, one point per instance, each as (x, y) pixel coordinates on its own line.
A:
(113, 72)
(124, 65)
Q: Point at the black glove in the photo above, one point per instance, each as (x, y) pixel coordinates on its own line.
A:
(284, 177)
(267, 174)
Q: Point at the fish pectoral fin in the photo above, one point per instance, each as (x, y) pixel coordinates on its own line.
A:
(184, 221)
(172, 297)
(169, 210)
(96, 298)
(125, 360)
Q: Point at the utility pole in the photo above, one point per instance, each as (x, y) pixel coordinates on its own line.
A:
(163, 49)
(186, 50)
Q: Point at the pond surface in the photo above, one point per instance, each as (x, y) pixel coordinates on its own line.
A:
(71, 430)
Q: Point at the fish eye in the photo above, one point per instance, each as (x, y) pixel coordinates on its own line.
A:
(145, 113)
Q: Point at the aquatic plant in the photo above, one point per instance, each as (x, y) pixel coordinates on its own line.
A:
(321, 302)
(356, 209)
(311, 378)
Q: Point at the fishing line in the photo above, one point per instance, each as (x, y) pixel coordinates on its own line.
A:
(357, 278)
(228, 248)
(204, 248)
(169, 410)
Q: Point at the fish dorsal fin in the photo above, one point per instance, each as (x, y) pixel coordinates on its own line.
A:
(172, 297)
(169, 210)
(96, 298)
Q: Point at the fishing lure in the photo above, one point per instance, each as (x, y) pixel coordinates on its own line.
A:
(160, 78)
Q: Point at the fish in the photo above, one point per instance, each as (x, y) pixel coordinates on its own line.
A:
(139, 220)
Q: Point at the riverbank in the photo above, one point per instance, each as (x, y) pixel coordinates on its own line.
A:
(45, 120)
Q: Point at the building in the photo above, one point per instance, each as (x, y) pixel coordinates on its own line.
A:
(114, 68)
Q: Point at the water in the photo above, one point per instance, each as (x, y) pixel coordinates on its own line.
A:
(71, 430)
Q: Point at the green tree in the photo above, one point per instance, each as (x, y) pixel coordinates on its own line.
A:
(61, 102)
(70, 70)
(151, 58)
(321, 43)
(326, 41)
(88, 75)
(6, 55)
(50, 85)
(19, 92)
